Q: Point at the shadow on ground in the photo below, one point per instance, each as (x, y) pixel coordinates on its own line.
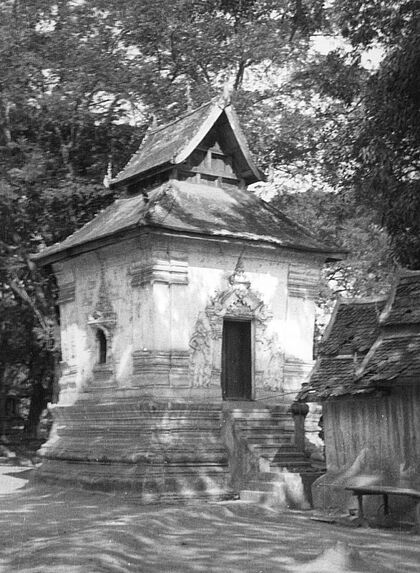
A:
(48, 529)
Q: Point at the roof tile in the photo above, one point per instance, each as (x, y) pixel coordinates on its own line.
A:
(194, 208)
(160, 145)
(392, 341)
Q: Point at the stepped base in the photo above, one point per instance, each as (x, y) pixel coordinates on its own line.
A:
(280, 475)
(166, 452)
(159, 452)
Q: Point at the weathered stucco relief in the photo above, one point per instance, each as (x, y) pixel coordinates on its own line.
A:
(66, 299)
(160, 269)
(103, 320)
(302, 288)
(158, 361)
(201, 352)
(303, 281)
(237, 301)
(271, 361)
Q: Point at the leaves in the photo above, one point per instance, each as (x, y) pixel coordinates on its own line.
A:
(81, 81)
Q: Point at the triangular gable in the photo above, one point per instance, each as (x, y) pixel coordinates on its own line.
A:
(172, 144)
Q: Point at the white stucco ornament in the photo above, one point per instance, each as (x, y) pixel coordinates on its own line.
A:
(103, 315)
(200, 361)
(238, 301)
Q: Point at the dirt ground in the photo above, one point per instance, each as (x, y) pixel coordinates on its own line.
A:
(49, 529)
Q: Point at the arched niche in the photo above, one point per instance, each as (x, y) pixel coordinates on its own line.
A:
(101, 347)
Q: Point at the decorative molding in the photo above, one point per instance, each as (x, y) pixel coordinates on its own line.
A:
(103, 315)
(168, 367)
(66, 292)
(303, 282)
(294, 368)
(103, 318)
(271, 362)
(67, 379)
(200, 360)
(238, 301)
(102, 371)
(174, 271)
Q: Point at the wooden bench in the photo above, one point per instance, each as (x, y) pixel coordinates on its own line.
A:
(385, 491)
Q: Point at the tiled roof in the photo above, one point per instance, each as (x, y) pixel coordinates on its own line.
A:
(171, 144)
(404, 303)
(392, 357)
(392, 339)
(330, 375)
(354, 327)
(352, 330)
(197, 209)
(160, 145)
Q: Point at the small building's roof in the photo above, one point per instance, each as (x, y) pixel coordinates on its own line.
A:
(404, 302)
(350, 334)
(353, 327)
(393, 357)
(195, 209)
(172, 143)
(370, 345)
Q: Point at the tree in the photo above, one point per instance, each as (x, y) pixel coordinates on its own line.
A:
(52, 110)
(81, 81)
(70, 73)
(387, 149)
(372, 143)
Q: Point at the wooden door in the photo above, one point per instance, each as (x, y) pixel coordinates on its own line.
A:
(236, 360)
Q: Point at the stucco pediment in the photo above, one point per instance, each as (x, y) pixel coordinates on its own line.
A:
(237, 301)
(103, 315)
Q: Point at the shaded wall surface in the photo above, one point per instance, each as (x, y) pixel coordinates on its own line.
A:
(161, 302)
(371, 441)
(148, 417)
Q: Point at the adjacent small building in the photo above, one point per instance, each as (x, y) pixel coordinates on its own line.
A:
(367, 377)
(187, 298)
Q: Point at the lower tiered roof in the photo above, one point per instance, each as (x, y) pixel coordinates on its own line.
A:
(195, 209)
(369, 344)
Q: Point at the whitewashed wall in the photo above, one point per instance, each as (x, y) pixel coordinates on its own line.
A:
(158, 287)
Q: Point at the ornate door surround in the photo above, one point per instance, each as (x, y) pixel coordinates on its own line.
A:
(237, 302)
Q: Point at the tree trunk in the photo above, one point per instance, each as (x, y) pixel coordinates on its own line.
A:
(3, 395)
(38, 404)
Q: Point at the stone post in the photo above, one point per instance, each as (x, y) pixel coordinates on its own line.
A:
(299, 411)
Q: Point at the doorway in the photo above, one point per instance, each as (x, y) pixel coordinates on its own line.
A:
(236, 360)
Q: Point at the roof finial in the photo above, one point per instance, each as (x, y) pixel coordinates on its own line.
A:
(108, 175)
(238, 278)
(227, 92)
(190, 103)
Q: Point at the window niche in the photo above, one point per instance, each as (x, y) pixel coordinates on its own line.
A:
(102, 322)
(102, 360)
(101, 347)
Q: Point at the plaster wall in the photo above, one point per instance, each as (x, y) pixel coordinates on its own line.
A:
(150, 293)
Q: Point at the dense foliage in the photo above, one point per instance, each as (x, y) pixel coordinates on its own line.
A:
(374, 140)
(80, 81)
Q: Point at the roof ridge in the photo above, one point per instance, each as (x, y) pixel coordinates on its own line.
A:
(181, 117)
(364, 300)
(157, 132)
